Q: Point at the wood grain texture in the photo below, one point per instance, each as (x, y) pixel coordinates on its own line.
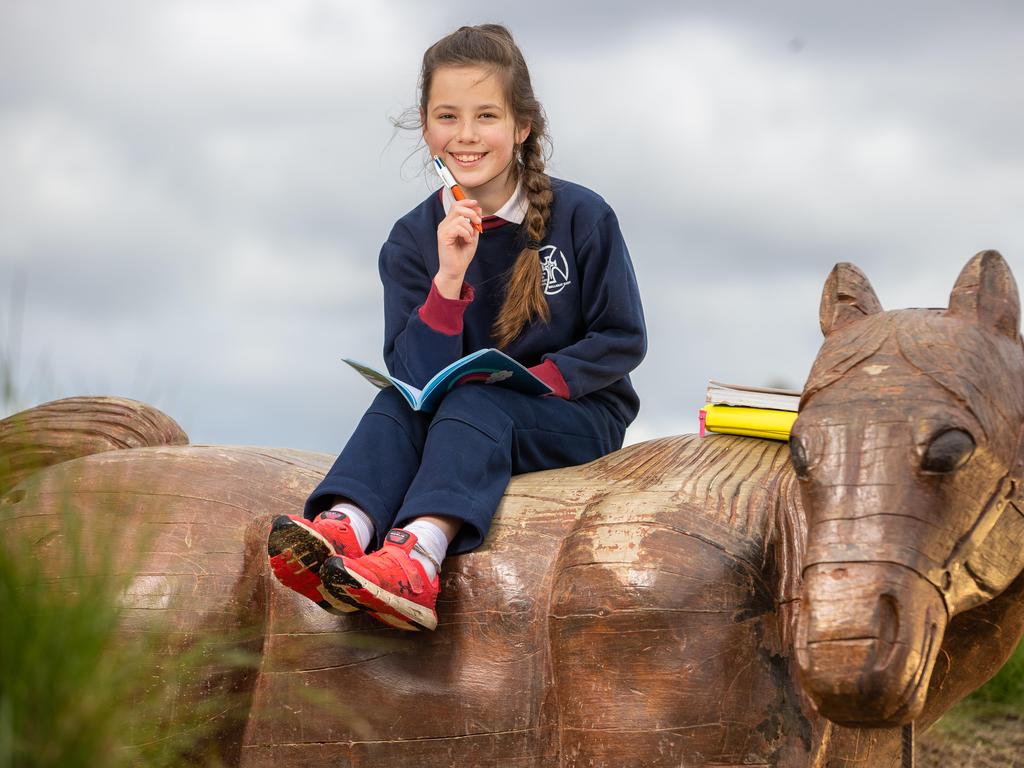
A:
(79, 426)
(684, 601)
(608, 602)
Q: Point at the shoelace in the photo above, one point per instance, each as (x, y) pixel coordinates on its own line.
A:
(423, 551)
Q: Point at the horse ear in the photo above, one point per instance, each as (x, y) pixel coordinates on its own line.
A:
(847, 296)
(986, 293)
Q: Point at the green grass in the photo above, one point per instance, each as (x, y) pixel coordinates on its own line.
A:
(75, 691)
(984, 716)
(1006, 689)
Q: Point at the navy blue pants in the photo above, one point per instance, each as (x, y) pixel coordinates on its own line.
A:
(402, 464)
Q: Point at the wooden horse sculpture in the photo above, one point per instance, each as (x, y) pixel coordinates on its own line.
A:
(682, 602)
(909, 450)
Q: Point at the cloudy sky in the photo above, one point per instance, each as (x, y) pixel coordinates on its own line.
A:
(193, 194)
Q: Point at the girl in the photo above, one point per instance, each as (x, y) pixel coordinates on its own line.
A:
(548, 280)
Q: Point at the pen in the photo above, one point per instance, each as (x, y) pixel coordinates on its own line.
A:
(449, 181)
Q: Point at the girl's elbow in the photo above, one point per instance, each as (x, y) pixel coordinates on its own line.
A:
(639, 345)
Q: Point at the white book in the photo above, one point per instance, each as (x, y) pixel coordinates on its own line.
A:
(753, 397)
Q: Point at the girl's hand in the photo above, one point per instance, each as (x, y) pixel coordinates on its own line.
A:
(456, 244)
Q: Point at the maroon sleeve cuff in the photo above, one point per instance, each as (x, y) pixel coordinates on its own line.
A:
(548, 373)
(445, 315)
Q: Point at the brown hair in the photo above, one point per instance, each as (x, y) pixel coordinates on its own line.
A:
(491, 46)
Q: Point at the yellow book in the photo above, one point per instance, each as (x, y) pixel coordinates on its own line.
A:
(751, 422)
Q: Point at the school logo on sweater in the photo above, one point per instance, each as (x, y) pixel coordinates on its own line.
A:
(556, 270)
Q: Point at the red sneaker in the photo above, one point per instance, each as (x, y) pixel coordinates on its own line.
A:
(389, 584)
(299, 547)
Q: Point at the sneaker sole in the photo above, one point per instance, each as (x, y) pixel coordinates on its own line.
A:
(343, 584)
(296, 553)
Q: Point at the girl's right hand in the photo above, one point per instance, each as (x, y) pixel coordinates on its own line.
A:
(457, 240)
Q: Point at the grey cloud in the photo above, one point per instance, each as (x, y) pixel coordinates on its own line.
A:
(195, 192)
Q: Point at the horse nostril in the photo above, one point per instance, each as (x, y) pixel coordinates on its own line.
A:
(13, 497)
(888, 630)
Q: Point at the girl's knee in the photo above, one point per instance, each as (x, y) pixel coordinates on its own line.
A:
(470, 396)
(475, 399)
(389, 402)
(482, 407)
(390, 409)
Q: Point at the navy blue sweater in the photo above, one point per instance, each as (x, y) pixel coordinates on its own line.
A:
(596, 334)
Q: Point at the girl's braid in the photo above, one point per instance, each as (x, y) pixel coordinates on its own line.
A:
(524, 296)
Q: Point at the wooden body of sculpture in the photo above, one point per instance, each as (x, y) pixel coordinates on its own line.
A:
(641, 610)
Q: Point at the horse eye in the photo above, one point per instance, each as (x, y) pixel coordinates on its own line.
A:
(798, 455)
(947, 451)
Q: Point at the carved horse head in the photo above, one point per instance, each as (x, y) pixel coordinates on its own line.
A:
(908, 451)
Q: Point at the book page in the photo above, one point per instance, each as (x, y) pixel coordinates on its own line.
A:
(718, 385)
(383, 381)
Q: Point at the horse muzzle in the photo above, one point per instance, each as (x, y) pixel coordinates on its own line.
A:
(866, 641)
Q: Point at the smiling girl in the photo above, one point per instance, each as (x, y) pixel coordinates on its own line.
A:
(548, 280)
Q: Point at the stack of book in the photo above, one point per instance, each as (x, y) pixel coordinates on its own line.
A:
(734, 409)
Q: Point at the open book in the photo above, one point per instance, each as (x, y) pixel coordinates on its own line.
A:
(753, 397)
(485, 366)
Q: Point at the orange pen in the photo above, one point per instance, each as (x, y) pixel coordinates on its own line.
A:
(449, 181)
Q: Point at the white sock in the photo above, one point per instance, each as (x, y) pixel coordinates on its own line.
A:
(362, 525)
(433, 540)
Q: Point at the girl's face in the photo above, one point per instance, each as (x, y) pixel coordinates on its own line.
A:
(469, 125)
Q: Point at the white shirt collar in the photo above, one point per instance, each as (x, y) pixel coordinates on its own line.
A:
(514, 209)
